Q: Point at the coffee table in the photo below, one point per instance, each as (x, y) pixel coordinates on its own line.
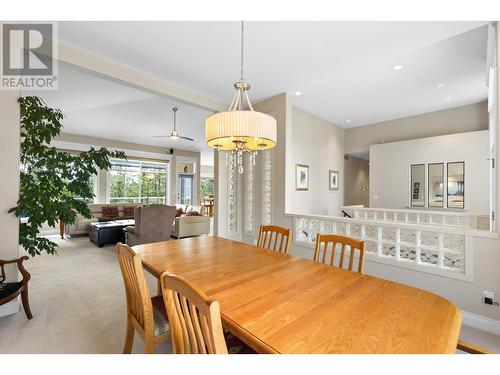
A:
(108, 231)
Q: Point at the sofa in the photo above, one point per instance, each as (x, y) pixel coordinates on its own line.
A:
(190, 226)
(81, 225)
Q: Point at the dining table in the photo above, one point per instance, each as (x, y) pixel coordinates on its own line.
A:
(279, 303)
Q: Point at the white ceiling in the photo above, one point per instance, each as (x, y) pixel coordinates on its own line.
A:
(97, 107)
(343, 69)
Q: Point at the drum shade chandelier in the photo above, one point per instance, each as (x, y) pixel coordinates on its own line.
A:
(240, 129)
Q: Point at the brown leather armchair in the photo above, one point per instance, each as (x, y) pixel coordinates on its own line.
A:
(9, 291)
(152, 224)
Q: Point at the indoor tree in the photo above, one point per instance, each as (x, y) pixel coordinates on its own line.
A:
(54, 184)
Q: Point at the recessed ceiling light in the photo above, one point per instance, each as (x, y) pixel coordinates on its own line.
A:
(441, 85)
(347, 120)
(297, 93)
(447, 99)
(397, 67)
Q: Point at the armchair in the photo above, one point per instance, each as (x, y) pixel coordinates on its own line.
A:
(152, 224)
(9, 291)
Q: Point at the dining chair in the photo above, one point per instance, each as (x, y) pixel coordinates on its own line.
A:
(145, 314)
(321, 251)
(269, 235)
(471, 348)
(10, 291)
(195, 320)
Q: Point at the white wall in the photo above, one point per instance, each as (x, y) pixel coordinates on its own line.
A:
(390, 166)
(319, 144)
(9, 188)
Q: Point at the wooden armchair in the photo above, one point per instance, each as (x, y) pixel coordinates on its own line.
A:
(10, 291)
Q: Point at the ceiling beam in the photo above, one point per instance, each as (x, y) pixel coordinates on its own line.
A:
(113, 71)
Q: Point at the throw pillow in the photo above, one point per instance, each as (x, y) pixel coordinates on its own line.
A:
(178, 212)
(110, 211)
(128, 211)
(193, 213)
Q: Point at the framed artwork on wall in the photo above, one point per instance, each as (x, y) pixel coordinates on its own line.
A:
(301, 177)
(333, 180)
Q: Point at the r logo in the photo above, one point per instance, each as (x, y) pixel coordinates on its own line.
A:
(27, 49)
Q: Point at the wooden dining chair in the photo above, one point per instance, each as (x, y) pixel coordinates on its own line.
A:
(195, 320)
(145, 314)
(269, 235)
(470, 348)
(321, 251)
(10, 291)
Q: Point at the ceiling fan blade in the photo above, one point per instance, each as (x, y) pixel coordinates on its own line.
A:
(161, 136)
(187, 138)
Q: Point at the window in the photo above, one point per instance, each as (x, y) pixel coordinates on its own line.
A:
(206, 186)
(92, 184)
(185, 189)
(135, 181)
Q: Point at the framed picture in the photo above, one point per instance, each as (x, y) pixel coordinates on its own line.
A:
(333, 180)
(301, 177)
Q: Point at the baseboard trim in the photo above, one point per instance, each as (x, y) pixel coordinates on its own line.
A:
(10, 308)
(481, 322)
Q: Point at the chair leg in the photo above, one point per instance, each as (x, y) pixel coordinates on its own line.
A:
(26, 303)
(129, 338)
(149, 345)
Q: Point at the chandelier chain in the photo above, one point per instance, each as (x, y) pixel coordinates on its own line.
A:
(242, 47)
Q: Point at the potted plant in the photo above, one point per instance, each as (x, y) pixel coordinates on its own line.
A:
(54, 184)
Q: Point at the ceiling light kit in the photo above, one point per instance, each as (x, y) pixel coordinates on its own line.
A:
(397, 67)
(241, 129)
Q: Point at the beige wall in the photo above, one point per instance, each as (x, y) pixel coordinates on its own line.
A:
(390, 168)
(468, 118)
(356, 181)
(320, 145)
(9, 188)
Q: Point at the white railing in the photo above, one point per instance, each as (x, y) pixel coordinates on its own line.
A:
(442, 250)
(418, 216)
(151, 200)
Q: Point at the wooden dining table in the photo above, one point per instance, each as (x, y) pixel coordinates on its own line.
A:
(278, 303)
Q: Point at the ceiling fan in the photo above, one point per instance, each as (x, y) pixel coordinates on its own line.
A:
(174, 135)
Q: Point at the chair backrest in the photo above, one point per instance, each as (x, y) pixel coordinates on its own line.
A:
(273, 237)
(138, 298)
(195, 322)
(321, 251)
(154, 222)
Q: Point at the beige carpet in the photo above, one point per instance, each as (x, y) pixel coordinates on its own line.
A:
(78, 302)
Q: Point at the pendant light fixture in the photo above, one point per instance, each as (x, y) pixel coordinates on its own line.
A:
(240, 129)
